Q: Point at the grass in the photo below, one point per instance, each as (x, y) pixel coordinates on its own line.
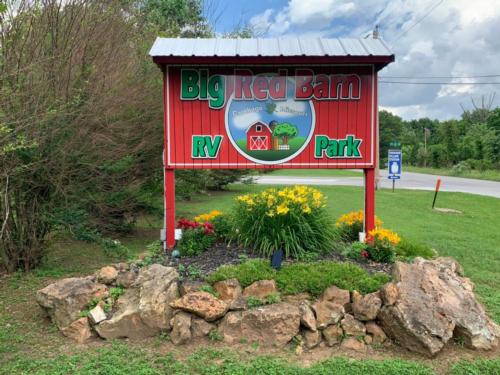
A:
(296, 278)
(472, 237)
(491, 174)
(481, 366)
(317, 173)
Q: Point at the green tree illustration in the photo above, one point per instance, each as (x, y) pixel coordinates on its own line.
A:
(285, 131)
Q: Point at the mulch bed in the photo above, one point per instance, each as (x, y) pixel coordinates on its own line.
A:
(223, 253)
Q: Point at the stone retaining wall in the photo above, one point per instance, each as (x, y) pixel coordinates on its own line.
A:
(426, 304)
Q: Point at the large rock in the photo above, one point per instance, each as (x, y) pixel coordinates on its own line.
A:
(389, 293)
(337, 295)
(200, 327)
(202, 304)
(327, 313)
(274, 324)
(181, 328)
(157, 289)
(333, 335)
(228, 290)
(312, 338)
(79, 330)
(377, 334)
(107, 275)
(261, 289)
(307, 316)
(126, 278)
(353, 343)
(126, 321)
(66, 298)
(434, 301)
(189, 286)
(366, 307)
(352, 326)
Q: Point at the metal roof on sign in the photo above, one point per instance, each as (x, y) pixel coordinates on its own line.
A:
(271, 47)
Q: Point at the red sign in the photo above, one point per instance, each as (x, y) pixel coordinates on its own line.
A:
(264, 117)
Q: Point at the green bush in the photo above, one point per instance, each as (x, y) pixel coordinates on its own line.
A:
(382, 251)
(479, 367)
(223, 227)
(409, 249)
(295, 278)
(293, 219)
(358, 251)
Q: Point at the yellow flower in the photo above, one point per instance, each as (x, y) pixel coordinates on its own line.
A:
(282, 209)
(207, 217)
(270, 213)
(353, 218)
(385, 235)
(306, 209)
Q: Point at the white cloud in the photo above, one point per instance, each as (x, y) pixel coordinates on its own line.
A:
(290, 108)
(244, 119)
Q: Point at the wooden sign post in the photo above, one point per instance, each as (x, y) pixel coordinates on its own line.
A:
(225, 110)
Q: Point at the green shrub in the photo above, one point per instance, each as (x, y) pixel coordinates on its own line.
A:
(253, 302)
(409, 249)
(382, 251)
(246, 272)
(293, 219)
(295, 278)
(223, 227)
(479, 367)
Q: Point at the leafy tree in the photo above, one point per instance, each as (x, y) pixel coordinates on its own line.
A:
(285, 131)
(390, 129)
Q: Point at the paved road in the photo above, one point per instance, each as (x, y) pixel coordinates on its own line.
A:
(409, 180)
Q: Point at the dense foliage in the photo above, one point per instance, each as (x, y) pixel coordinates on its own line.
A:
(295, 278)
(473, 142)
(80, 118)
(293, 219)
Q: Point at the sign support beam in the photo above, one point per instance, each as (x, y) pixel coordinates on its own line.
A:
(369, 201)
(170, 207)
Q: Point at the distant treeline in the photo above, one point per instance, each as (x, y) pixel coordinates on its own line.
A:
(472, 142)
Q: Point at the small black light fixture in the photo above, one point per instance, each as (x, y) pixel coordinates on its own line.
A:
(277, 259)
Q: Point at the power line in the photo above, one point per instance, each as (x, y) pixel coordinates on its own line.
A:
(441, 77)
(440, 83)
(418, 21)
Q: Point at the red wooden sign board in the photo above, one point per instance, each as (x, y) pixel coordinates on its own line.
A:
(257, 113)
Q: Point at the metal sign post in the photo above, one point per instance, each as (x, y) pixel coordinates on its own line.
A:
(394, 161)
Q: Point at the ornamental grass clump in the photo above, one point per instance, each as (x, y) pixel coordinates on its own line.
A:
(293, 219)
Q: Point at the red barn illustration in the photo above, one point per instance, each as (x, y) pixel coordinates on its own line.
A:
(259, 137)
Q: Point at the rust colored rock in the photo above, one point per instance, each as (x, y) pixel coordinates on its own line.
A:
(353, 343)
(200, 327)
(261, 289)
(65, 299)
(307, 316)
(228, 290)
(327, 313)
(271, 325)
(376, 332)
(366, 307)
(368, 339)
(389, 294)
(238, 304)
(434, 302)
(333, 335)
(79, 330)
(181, 328)
(107, 275)
(311, 338)
(202, 304)
(352, 326)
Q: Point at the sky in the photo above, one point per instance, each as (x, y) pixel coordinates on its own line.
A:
(430, 38)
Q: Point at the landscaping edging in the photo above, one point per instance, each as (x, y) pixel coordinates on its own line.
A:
(426, 304)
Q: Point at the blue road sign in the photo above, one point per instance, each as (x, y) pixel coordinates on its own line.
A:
(394, 164)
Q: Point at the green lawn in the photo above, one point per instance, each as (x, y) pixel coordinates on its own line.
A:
(317, 173)
(31, 345)
(493, 175)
